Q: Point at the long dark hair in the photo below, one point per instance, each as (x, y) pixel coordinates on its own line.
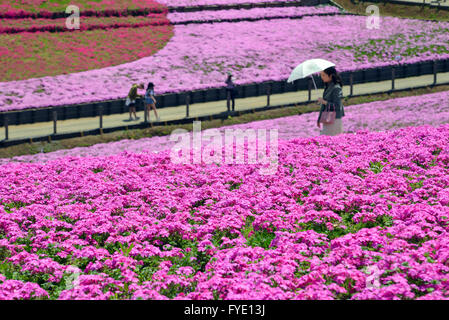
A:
(150, 86)
(336, 78)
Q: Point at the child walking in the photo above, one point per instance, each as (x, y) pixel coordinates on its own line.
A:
(150, 101)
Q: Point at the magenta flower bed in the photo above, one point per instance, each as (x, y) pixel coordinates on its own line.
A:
(357, 216)
(431, 109)
(195, 3)
(47, 9)
(261, 51)
(255, 13)
(59, 25)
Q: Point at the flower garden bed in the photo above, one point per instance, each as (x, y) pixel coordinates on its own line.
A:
(177, 68)
(339, 212)
(197, 3)
(69, 52)
(255, 13)
(88, 23)
(56, 8)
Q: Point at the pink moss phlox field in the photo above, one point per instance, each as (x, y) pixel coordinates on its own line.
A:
(432, 109)
(262, 51)
(58, 25)
(256, 13)
(137, 226)
(47, 9)
(195, 3)
(90, 23)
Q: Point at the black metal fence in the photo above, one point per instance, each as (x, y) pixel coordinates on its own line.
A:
(222, 115)
(216, 94)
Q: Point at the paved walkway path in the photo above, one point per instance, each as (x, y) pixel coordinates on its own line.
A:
(201, 109)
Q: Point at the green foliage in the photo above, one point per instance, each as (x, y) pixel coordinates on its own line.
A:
(176, 240)
(291, 168)
(219, 234)
(416, 185)
(15, 204)
(173, 290)
(437, 151)
(248, 226)
(96, 170)
(4, 253)
(259, 238)
(348, 222)
(302, 269)
(101, 238)
(66, 219)
(299, 200)
(199, 203)
(235, 185)
(126, 249)
(148, 268)
(419, 164)
(348, 284)
(418, 241)
(194, 222)
(376, 167)
(14, 272)
(361, 172)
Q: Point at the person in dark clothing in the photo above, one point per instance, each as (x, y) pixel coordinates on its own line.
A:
(150, 100)
(230, 87)
(332, 98)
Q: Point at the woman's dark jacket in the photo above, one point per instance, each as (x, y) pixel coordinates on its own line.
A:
(333, 95)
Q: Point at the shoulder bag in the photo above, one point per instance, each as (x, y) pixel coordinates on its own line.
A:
(328, 116)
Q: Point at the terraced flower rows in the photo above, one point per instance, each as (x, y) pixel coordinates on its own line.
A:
(46, 47)
(48, 8)
(357, 216)
(263, 51)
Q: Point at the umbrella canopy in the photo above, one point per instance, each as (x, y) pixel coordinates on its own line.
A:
(308, 68)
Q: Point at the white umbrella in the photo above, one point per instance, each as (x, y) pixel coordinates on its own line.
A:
(309, 67)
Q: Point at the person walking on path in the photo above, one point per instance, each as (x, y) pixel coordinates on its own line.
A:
(150, 101)
(131, 99)
(230, 88)
(332, 97)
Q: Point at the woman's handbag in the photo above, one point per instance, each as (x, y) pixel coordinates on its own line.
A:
(328, 116)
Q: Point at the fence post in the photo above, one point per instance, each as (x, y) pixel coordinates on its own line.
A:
(228, 100)
(187, 105)
(268, 94)
(100, 111)
(6, 127)
(310, 90)
(351, 82)
(392, 78)
(55, 119)
(434, 72)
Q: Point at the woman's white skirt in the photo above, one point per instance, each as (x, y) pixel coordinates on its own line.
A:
(332, 129)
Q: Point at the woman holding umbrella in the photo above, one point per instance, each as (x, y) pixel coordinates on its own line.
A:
(332, 93)
(332, 102)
